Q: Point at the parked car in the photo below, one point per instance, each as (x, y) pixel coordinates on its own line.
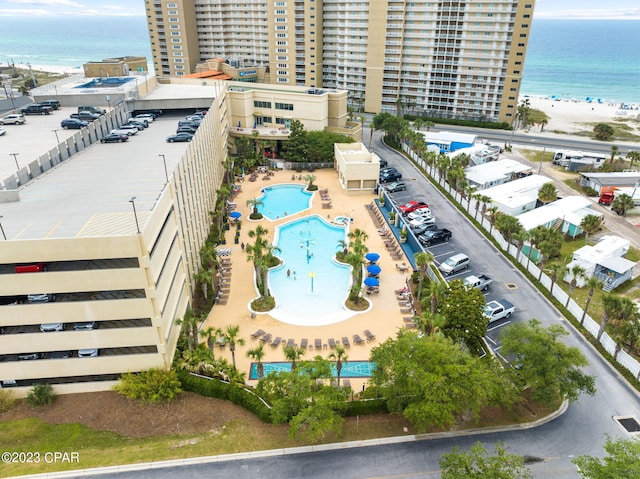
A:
(36, 109)
(192, 124)
(2, 131)
(153, 113)
(186, 129)
(114, 138)
(138, 122)
(49, 327)
(85, 116)
(30, 356)
(384, 163)
(418, 230)
(73, 123)
(180, 137)
(41, 298)
(92, 109)
(395, 187)
(145, 116)
(196, 118)
(455, 263)
(132, 126)
(390, 176)
(55, 104)
(411, 206)
(421, 220)
(60, 354)
(481, 281)
(125, 132)
(13, 119)
(87, 353)
(85, 326)
(498, 309)
(429, 238)
(419, 213)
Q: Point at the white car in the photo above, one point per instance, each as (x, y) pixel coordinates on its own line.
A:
(13, 119)
(420, 213)
(145, 116)
(41, 298)
(2, 131)
(87, 353)
(420, 221)
(49, 327)
(125, 131)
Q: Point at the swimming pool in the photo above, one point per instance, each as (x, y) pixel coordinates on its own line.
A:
(283, 200)
(310, 287)
(109, 82)
(350, 369)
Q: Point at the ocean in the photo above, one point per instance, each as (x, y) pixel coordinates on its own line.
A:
(566, 58)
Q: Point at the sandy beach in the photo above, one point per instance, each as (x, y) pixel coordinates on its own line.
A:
(572, 116)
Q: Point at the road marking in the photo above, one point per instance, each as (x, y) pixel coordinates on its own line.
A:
(52, 230)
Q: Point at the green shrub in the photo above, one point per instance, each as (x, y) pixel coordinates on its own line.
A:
(153, 385)
(7, 401)
(40, 395)
(369, 406)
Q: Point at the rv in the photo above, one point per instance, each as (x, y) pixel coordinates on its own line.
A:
(577, 160)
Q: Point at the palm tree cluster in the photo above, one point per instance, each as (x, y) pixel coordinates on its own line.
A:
(621, 314)
(261, 253)
(354, 252)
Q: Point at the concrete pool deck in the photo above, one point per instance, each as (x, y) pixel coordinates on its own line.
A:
(383, 319)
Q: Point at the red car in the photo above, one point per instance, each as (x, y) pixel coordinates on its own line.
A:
(411, 206)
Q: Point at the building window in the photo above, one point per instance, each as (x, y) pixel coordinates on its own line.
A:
(284, 106)
(281, 35)
(282, 65)
(177, 54)
(172, 5)
(178, 60)
(172, 12)
(176, 40)
(176, 34)
(283, 80)
(261, 104)
(283, 72)
(177, 47)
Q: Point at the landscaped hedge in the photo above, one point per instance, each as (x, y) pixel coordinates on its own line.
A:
(221, 390)
(364, 407)
(461, 122)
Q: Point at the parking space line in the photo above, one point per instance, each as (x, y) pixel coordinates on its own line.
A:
(499, 326)
(52, 230)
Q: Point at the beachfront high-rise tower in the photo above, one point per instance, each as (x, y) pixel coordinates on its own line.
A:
(444, 57)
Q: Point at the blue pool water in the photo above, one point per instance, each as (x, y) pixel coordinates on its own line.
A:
(105, 82)
(351, 369)
(316, 286)
(284, 200)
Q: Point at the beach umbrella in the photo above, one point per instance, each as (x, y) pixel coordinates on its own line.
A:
(374, 269)
(235, 215)
(371, 282)
(373, 257)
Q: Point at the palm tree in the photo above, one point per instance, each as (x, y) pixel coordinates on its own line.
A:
(423, 259)
(555, 271)
(547, 193)
(590, 224)
(431, 323)
(309, 179)
(614, 152)
(293, 354)
(492, 213)
(592, 283)
(204, 279)
(339, 355)
(477, 197)
(190, 322)
(253, 203)
(231, 336)
(621, 204)
(577, 272)
(508, 226)
(520, 236)
(211, 334)
(257, 354)
(633, 156)
(437, 291)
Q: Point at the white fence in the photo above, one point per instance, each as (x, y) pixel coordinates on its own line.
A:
(621, 356)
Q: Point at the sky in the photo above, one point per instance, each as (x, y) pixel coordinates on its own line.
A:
(545, 9)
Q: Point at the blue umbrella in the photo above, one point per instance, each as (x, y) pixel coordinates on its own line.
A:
(373, 257)
(374, 269)
(371, 282)
(235, 215)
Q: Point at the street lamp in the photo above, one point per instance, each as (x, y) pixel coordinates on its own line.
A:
(2, 229)
(166, 175)
(15, 158)
(109, 102)
(56, 133)
(135, 214)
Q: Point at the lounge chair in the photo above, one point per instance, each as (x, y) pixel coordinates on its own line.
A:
(304, 344)
(291, 343)
(402, 267)
(318, 343)
(370, 336)
(257, 334)
(266, 338)
(345, 342)
(276, 342)
(409, 319)
(346, 383)
(407, 310)
(332, 343)
(357, 339)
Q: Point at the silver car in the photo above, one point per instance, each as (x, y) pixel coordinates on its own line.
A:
(13, 119)
(49, 327)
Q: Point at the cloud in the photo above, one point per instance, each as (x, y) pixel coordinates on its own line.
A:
(47, 3)
(592, 14)
(16, 12)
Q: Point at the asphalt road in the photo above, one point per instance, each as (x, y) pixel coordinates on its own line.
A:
(581, 430)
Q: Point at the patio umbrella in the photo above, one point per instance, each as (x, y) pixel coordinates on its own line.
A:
(235, 215)
(371, 282)
(374, 269)
(373, 257)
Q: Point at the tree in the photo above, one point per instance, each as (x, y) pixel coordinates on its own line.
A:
(622, 461)
(633, 156)
(190, 322)
(547, 367)
(437, 292)
(40, 395)
(520, 237)
(507, 225)
(548, 193)
(211, 334)
(293, 354)
(257, 354)
(603, 132)
(523, 114)
(430, 323)
(253, 203)
(295, 148)
(590, 224)
(204, 278)
(477, 464)
(432, 381)
(320, 145)
(303, 398)
(577, 273)
(423, 260)
(555, 271)
(592, 283)
(231, 336)
(614, 152)
(463, 308)
(621, 204)
(153, 385)
(339, 356)
(309, 179)
(492, 214)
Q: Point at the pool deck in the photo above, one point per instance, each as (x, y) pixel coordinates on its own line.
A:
(383, 318)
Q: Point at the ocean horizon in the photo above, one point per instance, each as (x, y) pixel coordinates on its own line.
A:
(566, 58)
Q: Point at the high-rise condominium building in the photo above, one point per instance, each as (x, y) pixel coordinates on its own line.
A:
(446, 58)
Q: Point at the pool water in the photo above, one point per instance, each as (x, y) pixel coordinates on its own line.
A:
(350, 369)
(284, 200)
(310, 287)
(109, 82)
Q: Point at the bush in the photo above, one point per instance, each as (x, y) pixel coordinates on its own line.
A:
(154, 385)
(40, 395)
(370, 406)
(7, 401)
